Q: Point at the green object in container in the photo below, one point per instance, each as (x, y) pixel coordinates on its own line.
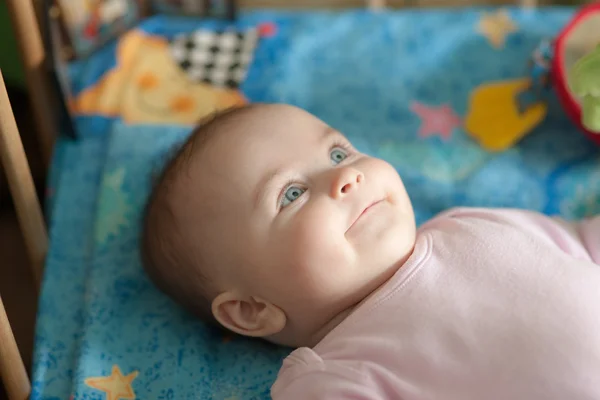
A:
(584, 80)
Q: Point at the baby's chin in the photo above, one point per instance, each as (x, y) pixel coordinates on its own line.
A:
(376, 276)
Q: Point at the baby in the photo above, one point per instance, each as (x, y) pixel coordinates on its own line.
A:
(269, 223)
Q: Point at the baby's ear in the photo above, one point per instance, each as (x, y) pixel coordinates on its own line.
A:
(248, 316)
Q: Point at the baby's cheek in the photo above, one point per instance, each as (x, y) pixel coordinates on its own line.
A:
(317, 252)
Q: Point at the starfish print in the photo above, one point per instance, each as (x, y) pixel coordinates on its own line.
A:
(440, 120)
(113, 206)
(115, 179)
(116, 386)
(495, 27)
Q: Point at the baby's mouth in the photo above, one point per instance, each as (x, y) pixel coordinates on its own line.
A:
(364, 211)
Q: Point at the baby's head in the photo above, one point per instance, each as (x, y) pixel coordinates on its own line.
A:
(270, 223)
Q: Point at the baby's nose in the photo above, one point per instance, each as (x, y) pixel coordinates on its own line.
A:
(345, 181)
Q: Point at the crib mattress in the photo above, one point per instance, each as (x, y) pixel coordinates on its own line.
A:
(397, 83)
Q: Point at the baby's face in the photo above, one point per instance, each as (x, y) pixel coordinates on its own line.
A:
(309, 224)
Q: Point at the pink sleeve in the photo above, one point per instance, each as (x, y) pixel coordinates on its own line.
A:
(579, 238)
(586, 233)
(324, 385)
(306, 376)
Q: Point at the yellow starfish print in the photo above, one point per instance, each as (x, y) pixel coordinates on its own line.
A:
(496, 26)
(116, 386)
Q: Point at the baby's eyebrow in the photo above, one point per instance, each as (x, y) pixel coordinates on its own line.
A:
(328, 131)
(263, 186)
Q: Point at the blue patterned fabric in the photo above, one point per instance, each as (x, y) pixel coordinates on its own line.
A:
(372, 76)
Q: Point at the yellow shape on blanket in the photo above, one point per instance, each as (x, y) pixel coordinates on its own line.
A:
(496, 26)
(116, 386)
(493, 116)
(147, 86)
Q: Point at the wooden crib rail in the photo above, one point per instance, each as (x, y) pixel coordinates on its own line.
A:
(22, 188)
(375, 4)
(31, 221)
(381, 4)
(28, 35)
(12, 370)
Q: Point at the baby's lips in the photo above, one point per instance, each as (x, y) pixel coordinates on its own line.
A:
(357, 214)
(354, 215)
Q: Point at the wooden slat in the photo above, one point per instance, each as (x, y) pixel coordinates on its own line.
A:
(471, 3)
(22, 189)
(376, 4)
(23, 15)
(301, 4)
(341, 4)
(12, 370)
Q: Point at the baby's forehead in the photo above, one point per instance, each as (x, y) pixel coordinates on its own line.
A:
(267, 131)
(243, 149)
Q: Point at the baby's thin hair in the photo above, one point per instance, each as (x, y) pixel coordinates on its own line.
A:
(167, 255)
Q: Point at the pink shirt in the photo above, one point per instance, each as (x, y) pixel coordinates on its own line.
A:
(493, 304)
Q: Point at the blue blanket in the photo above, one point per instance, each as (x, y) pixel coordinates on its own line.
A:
(396, 83)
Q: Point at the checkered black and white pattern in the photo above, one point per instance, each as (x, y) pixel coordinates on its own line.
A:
(218, 58)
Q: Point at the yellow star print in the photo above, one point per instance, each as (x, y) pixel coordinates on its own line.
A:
(496, 26)
(116, 386)
(115, 179)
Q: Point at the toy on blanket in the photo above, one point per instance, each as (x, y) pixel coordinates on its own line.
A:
(502, 113)
(178, 81)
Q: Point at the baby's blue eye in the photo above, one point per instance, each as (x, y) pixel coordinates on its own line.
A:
(291, 194)
(337, 155)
